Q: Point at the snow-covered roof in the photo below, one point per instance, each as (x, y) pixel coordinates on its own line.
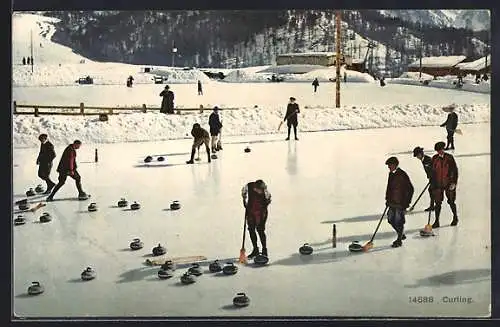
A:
(477, 64)
(357, 61)
(308, 54)
(442, 61)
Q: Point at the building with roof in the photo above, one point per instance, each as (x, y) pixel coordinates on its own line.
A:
(308, 58)
(437, 66)
(479, 66)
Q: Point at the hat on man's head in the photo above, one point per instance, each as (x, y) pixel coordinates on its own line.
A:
(392, 161)
(260, 184)
(42, 136)
(418, 150)
(439, 146)
(292, 99)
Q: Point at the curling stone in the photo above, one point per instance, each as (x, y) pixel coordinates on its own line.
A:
(247, 149)
(135, 206)
(165, 273)
(426, 233)
(160, 158)
(159, 250)
(241, 300)
(168, 265)
(136, 244)
(20, 220)
(230, 269)
(306, 249)
(175, 205)
(45, 218)
(35, 288)
(39, 189)
(148, 159)
(188, 278)
(30, 192)
(261, 259)
(88, 274)
(23, 206)
(92, 207)
(355, 247)
(213, 156)
(122, 203)
(215, 266)
(195, 270)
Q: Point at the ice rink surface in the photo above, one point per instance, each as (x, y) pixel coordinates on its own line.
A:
(322, 179)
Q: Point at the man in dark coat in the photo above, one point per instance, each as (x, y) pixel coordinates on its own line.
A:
(451, 125)
(167, 103)
(315, 83)
(201, 136)
(200, 88)
(445, 173)
(418, 153)
(215, 126)
(67, 167)
(292, 110)
(398, 197)
(44, 161)
(256, 199)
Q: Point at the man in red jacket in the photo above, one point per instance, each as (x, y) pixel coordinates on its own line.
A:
(445, 174)
(256, 199)
(398, 197)
(67, 167)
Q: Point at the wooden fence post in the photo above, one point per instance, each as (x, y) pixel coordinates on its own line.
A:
(81, 108)
(144, 108)
(15, 107)
(36, 112)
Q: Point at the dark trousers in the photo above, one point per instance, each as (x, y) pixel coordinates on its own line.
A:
(44, 169)
(449, 139)
(260, 228)
(290, 124)
(62, 180)
(451, 196)
(431, 197)
(396, 218)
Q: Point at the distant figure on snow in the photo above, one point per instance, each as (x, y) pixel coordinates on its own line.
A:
(398, 196)
(44, 161)
(291, 119)
(130, 81)
(167, 103)
(24, 61)
(200, 88)
(382, 81)
(32, 62)
(256, 199)
(67, 167)
(451, 125)
(345, 77)
(28, 60)
(215, 126)
(201, 136)
(315, 83)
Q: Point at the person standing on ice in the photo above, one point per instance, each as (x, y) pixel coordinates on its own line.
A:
(44, 161)
(200, 88)
(24, 61)
(256, 199)
(167, 103)
(418, 153)
(315, 83)
(215, 126)
(445, 172)
(397, 198)
(451, 125)
(291, 119)
(67, 167)
(201, 136)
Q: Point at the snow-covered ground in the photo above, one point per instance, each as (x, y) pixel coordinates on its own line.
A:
(325, 178)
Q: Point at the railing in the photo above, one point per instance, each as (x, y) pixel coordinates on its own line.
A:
(84, 110)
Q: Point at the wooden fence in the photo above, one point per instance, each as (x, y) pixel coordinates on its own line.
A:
(83, 110)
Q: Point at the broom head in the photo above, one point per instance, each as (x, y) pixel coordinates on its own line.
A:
(243, 256)
(367, 246)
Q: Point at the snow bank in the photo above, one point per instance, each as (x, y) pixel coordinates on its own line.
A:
(153, 126)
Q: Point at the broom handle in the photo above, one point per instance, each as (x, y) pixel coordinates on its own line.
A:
(425, 188)
(244, 231)
(429, 218)
(376, 230)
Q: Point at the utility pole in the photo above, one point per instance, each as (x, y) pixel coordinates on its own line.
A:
(337, 60)
(174, 51)
(421, 47)
(31, 42)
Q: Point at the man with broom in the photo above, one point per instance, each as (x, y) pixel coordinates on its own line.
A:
(451, 126)
(418, 153)
(256, 199)
(398, 197)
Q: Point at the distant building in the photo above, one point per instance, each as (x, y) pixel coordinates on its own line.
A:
(308, 58)
(437, 66)
(357, 65)
(479, 66)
